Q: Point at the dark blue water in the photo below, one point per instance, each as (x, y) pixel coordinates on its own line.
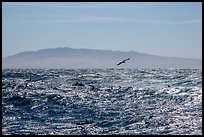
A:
(104, 101)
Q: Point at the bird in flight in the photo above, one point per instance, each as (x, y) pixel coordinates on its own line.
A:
(123, 61)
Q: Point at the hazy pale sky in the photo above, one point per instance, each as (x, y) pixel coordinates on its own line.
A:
(165, 29)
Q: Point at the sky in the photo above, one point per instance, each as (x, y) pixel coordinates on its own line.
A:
(171, 29)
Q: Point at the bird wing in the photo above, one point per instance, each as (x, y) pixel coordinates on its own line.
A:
(119, 63)
(127, 59)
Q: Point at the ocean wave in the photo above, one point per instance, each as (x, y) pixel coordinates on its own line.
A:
(108, 101)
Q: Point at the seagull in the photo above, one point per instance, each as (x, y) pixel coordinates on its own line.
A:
(123, 61)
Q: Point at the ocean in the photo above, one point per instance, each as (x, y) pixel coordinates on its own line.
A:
(102, 102)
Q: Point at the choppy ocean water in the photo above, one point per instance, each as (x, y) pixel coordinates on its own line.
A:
(104, 101)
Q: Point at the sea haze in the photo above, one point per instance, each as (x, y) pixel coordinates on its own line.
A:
(68, 58)
(101, 101)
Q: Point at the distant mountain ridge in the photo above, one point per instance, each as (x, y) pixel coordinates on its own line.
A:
(69, 58)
